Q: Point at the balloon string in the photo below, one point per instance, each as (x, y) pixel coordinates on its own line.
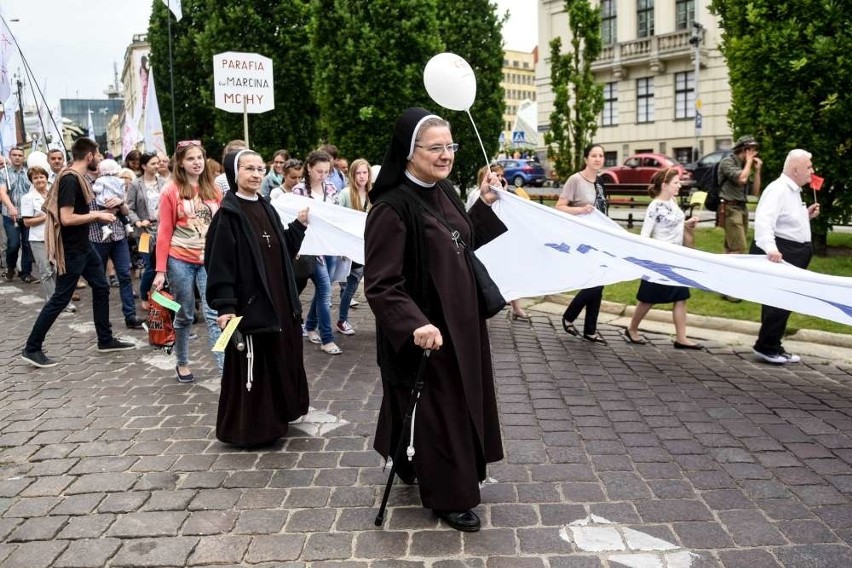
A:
(481, 145)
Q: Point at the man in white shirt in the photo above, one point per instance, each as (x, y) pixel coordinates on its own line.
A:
(782, 231)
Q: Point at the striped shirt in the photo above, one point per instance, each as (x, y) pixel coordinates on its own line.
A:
(183, 225)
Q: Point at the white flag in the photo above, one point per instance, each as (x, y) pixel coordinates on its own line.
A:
(129, 134)
(90, 126)
(174, 6)
(154, 140)
(7, 48)
(8, 129)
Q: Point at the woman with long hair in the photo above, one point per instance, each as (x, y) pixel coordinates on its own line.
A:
(664, 221)
(275, 177)
(143, 200)
(290, 177)
(316, 186)
(354, 197)
(582, 194)
(187, 206)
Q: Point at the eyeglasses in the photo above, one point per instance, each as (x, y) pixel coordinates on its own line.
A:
(440, 148)
(254, 170)
(185, 143)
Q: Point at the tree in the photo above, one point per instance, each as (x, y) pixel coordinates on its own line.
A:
(277, 30)
(577, 97)
(790, 69)
(369, 59)
(473, 30)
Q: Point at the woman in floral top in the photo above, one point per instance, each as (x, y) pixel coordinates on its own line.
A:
(664, 221)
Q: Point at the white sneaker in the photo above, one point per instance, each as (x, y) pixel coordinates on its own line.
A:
(776, 359)
(71, 308)
(344, 328)
(790, 357)
(354, 303)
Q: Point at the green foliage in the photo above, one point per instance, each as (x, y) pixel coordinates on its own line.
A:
(790, 67)
(577, 97)
(473, 30)
(277, 31)
(369, 68)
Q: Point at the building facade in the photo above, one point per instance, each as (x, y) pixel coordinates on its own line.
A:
(652, 86)
(519, 85)
(101, 110)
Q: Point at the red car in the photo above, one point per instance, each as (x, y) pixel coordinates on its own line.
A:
(640, 168)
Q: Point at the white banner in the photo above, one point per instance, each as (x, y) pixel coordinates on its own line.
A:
(154, 140)
(546, 251)
(129, 134)
(332, 230)
(7, 48)
(175, 7)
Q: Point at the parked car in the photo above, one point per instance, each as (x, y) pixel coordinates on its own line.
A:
(706, 161)
(521, 172)
(703, 169)
(640, 168)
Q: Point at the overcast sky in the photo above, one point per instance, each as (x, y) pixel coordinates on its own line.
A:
(72, 45)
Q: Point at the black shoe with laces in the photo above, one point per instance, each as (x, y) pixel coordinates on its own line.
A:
(133, 323)
(37, 358)
(115, 345)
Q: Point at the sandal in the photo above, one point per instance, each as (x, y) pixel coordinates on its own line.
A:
(596, 337)
(314, 337)
(331, 349)
(569, 328)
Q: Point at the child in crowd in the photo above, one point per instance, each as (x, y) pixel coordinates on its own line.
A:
(108, 186)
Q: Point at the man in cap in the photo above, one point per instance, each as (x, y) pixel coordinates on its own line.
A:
(734, 173)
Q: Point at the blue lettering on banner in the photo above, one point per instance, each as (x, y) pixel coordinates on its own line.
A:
(667, 271)
(842, 307)
(583, 249)
(561, 247)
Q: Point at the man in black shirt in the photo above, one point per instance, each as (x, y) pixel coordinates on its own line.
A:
(68, 246)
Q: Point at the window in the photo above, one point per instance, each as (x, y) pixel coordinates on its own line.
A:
(683, 155)
(685, 95)
(645, 18)
(645, 100)
(684, 14)
(610, 159)
(610, 108)
(609, 34)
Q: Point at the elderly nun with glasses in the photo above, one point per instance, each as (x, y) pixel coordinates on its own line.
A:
(248, 257)
(424, 296)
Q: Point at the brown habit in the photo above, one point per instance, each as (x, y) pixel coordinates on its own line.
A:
(456, 430)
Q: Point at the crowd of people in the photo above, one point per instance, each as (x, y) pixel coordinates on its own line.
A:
(212, 238)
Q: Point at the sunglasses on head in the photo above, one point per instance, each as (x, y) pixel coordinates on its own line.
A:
(185, 143)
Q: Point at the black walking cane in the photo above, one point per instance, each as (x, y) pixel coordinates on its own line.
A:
(412, 403)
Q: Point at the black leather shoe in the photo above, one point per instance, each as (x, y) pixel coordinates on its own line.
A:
(133, 323)
(465, 521)
(569, 328)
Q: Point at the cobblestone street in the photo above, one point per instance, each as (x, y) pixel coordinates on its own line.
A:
(618, 455)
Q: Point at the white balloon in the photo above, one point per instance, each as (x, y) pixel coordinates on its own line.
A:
(38, 159)
(450, 81)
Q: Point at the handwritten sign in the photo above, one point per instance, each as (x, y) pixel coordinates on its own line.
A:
(229, 330)
(243, 81)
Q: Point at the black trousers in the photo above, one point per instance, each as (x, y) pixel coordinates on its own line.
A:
(590, 298)
(773, 321)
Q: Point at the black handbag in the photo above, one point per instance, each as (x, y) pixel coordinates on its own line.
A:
(491, 301)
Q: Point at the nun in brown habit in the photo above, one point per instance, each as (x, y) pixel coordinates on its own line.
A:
(423, 294)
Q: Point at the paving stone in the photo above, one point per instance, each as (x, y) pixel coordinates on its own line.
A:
(416, 518)
(727, 499)
(89, 553)
(207, 499)
(32, 507)
(358, 519)
(490, 542)
(575, 561)
(148, 524)
(307, 497)
(102, 482)
(352, 497)
(828, 555)
(35, 554)
(174, 500)
(327, 546)
(785, 509)
(750, 528)
(702, 535)
(836, 516)
(154, 552)
(381, 544)
(78, 504)
(673, 510)
(202, 523)
(219, 549)
(261, 521)
(749, 558)
(123, 502)
(806, 532)
(89, 526)
(513, 515)
(311, 520)
(432, 543)
(541, 541)
(262, 498)
(514, 562)
(38, 528)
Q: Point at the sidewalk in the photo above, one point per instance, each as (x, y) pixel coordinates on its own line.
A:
(615, 455)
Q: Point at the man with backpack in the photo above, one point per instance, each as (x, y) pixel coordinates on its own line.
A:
(734, 173)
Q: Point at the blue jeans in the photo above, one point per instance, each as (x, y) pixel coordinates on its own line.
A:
(352, 281)
(119, 252)
(17, 237)
(77, 263)
(320, 312)
(183, 279)
(149, 272)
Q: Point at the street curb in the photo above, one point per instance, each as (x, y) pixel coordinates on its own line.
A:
(711, 322)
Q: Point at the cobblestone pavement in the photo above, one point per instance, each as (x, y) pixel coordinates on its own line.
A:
(616, 455)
